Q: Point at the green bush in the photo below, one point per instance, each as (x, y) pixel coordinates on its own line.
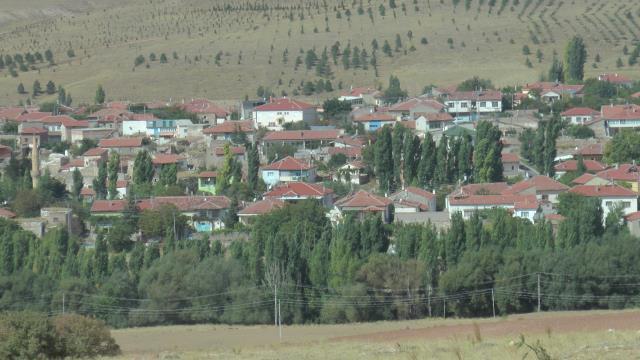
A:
(580, 132)
(84, 337)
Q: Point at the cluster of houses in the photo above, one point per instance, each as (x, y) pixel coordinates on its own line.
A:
(197, 149)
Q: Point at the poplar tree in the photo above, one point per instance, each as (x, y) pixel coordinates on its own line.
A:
(427, 164)
(113, 167)
(78, 183)
(575, 57)
(100, 182)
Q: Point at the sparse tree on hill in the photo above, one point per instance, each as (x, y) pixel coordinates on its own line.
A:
(393, 93)
(574, 59)
(556, 71)
(21, 89)
(50, 88)
(71, 53)
(163, 58)
(100, 95)
(48, 55)
(36, 88)
(398, 43)
(386, 48)
(526, 51)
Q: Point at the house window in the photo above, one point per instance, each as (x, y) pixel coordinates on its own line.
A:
(524, 214)
(495, 104)
(483, 104)
(463, 105)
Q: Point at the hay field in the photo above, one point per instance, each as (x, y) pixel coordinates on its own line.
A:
(464, 38)
(575, 335)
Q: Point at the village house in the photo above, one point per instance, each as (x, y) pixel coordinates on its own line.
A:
(249, 213)
(579, 115)
(32, 116)
(296, 191)
(229, 130)
(468, 105)
(411, 109)
(591, 152)
(413, 199)
(207, 182)
(247, 106)
(552, 91)
(616, 79)
(30, 134)
(278, 112)
(362, 96)
(287, 170)
(110, 118)
(95, 156)
(510, 165)
(161, 160)
(610, 196)
(374, 121)
(633, 223)
(362, 203)
(300, 139)
(217, 156)
(147, 125)
(543, 187)
(626, 175)
(519, 205)
(433, 121)
(618, 117)
(10, 114)
(207, 111)
(123, 146)
(353, 172)
(591, 166)
(589, 179)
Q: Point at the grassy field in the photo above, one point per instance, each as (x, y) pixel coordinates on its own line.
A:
(468, 38)
(575, 335)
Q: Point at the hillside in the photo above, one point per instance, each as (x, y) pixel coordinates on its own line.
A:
(226, 49)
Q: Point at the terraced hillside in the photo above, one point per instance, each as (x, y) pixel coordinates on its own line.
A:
(226, 49)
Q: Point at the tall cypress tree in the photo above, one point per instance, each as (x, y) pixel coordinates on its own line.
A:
(397, 140)
(113, 168)
(101, 258)
(100, 182)
(142, 168)
(411, 153)
(575, 57)
(384, 161)
(427, 163)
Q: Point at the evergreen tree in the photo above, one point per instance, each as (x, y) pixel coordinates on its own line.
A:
(346, 57)
(411, 155)
(556, 71)
(488, 153)
(311, 59)
(100, 182)
(575, 57)
(384, 161)
(323, 68)
(113, 169)
(62, 96)
(169, 243)
(398, 43)
(253, 166)
(355, 58)
(100, 95)
(397, 141)
(442, 171)
(427, 164)
(50, 88)
(464, 158)
(78, 183)
(151, 254)
(21, 89)
(101, 258)
(394, 92)
(231, 216)
(386, 48)
(36, 88)
(142, 168)
(168, 174)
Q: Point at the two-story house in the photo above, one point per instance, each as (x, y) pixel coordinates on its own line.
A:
(287, 170)
(278, 112)
(468, 105)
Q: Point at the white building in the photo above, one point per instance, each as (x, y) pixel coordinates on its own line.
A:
(467, 105)
(610, 196)
(523, 206)
(579, 115)
(278, 112)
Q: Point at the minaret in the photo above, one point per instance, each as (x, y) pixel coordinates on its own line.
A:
(35, 161)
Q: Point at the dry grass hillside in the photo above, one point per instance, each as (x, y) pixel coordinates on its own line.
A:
(225, 49)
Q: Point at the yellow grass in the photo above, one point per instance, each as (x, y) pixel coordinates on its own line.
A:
(319, 342)
(106, 41)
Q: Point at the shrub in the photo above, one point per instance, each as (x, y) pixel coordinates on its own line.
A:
(84, 337)
(580, 132)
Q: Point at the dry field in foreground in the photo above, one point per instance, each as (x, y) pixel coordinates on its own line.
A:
(566, 335)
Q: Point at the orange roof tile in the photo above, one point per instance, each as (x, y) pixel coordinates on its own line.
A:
(603, 191)
(288, 164)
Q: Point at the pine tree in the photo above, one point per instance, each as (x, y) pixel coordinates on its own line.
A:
(346, 57)
(355, 58)
(231, 216)
(398, 43)
(100, 95)
(142, 168)
(48, 55)
(113, 169)
(574, 59)
(78, 183)
(311, 59)
(100, 182)
(51, 88)
(36, 88)
(386, 48)
(21, 89)
(62, 96)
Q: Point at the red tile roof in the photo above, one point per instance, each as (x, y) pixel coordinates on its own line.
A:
(121, 142)
(510, 158)
(298, 189)
(34, 130)
(262, 207)
(284, 104)
(349, 152)
(591, 150)
(526, 205)
(301, 135)
(33, 116)
(420, 192)
(7, 214)
(583, 179)
(230, 127)
(351, 141)
(579, 111)
(75, 163)
(603, 191)
(572, 165)
(636, 95)
(204, 106)
(615, 78)
(87, 191)
(544, 87)
(539, 183)
(374, 117)
(407, 106)
(97, 151)
(11, 113)
(163, 159)
(235, 150)
(108, 206)
(491, 200)
(634, 216)
(208, 174)
(359, 91)
(486, 188)
(620, 112)
(624, 172)
(436, 117)
(554, 217)
(485, 95)
(187, 203)
(288, 164)
(364, 200)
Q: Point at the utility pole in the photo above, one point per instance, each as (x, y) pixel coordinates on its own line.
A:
(538, 292)
(275, 304)
(493, 302)
(444, 306)
(279, 320)
(429, 299)
(63, 298)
